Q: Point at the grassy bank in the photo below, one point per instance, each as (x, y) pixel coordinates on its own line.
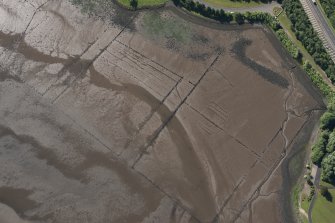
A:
(326, 184)
(305, 204)
(295, 197)
(287, 26)
(324, 210)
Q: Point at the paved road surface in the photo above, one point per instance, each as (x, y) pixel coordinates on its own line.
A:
(320, 25)
(316, 185)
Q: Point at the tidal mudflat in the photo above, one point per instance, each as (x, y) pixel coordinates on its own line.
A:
(143, 117)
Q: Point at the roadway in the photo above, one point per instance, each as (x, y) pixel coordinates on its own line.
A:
(316, 185)
(321, 26)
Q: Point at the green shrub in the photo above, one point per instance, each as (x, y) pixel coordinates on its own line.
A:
(134, 4)
(331, 143)
(239, 18)
(319, 148)
(327, 120)
(308, 37)
(328, 168)
(288, 44)
(311, 193)
(329, 8)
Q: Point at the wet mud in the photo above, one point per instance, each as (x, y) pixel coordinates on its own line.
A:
(18, 199)
(106, 116)
(273, 77)
(108, 11)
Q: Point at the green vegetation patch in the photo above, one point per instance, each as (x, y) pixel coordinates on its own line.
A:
(323, 150)
(295, 196)
(141, 3)
(232, 4)
(87, 6)
(296, 165)
(107, 11)
(305, 203)
(305, 33)
(157, 26)
(324, 209)
(287, 26)
(288, 44)
(328, 168)
(226, 17)
(329, 9)
(305, 206)
(326, 184)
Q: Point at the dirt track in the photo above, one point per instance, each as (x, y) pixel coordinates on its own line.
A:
(147, 118)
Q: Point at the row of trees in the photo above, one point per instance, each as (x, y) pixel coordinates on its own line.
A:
(301, 26)
(219, 15)
(323, 151)
(328, 170)
(319, 82)
(289, 45)
(308, 37)
(263, 1)
(224, 17)
(329, 8)
(134, 4)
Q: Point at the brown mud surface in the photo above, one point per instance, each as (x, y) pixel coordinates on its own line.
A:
(145, 117)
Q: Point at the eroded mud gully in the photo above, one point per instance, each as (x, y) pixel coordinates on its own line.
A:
(146, 117)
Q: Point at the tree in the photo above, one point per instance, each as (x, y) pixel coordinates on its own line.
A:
(319, 148)
(308, 37)
(239, 18)
(317, 156)
(328, 168)
(323, 190)
(176, 2)
(134, 4)
(288, 44)
(325, 193)
(331, 105)
(328, 121)
(331, 143)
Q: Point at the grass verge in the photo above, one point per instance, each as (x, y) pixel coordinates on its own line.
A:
(295, 196)
(326, 184)
(286, 24)
(324, 210)
(305, 203)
